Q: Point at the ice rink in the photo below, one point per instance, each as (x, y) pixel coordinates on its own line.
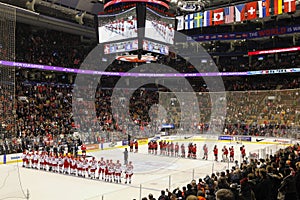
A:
(152, 173)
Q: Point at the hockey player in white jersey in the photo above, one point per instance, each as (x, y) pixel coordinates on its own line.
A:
(128, 172)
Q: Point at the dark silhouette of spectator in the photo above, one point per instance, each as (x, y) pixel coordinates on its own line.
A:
(263, 189)
(288, 185)
(163, 196)
(224, 194)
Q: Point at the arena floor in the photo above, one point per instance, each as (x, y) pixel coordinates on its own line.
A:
(152, 173)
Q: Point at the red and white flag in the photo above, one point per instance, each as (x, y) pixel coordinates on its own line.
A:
(251, 8)
(218, 16)
(289, 6)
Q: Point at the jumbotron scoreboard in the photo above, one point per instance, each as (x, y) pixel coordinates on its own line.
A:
(134, 25)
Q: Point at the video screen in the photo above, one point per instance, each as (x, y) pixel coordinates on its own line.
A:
(119, 47)
(159, 28)
(117, 27)
(155, 47)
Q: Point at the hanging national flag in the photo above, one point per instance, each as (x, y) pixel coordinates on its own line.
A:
(251, 8)
(189, 21)
(180, 23)
(229, 14)
(276, 6)
(240, 12)
(289, 6)
(207, 18)
(219, 16)
(263, 8)
(198, 19)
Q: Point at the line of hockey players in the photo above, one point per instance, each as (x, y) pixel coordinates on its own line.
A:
(125, 27)
(165, 30)
(175, 150)
(78, 166)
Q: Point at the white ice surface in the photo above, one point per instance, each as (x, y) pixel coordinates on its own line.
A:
(152, 173)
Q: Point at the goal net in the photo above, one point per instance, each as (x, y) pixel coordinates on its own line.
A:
(11, 184)
(7, 74)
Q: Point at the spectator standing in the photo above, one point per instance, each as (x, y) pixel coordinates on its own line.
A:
(288, 186)
(263, 189)
(150, 197)
(163, 196)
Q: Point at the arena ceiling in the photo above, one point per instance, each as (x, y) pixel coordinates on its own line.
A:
(95, 6)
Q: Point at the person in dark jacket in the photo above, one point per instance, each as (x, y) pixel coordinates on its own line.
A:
(163, 196)
(288, 186)
(247, 187)
(190, 191)
(297, 179)
(263, 189)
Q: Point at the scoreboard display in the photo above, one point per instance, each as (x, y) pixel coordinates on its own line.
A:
(116, 27)
(119, 47)
(136, 28)
(159, 28)
(155, 47)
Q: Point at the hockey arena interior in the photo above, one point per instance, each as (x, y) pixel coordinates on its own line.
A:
(150, 99)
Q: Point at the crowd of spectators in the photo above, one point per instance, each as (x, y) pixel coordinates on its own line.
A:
(49, 47)
(274, 177)
(44, 100)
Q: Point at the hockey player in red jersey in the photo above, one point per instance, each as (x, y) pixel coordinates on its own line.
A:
(225, 154)
(182, 150)
(231, 154)
(216, 152)
(155, 147)
(172, 149)
(205, 152)
(66, 163)
(243, 152)
(176, 149)
(194, 151)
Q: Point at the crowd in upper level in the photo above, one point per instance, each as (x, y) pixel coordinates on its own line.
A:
(44, 98)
